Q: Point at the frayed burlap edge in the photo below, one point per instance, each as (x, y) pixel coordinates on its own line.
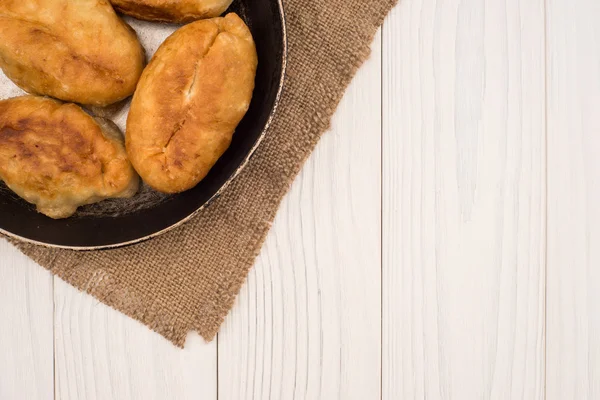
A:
(188, 279)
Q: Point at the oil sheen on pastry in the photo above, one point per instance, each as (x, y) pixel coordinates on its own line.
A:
(77, 51)
(57, 157)
(172, 10)
(189, 101)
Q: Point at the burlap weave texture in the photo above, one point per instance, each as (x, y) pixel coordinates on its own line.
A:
(188, 278)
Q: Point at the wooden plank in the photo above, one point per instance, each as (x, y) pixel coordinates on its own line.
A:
(573, 321)
(26, 333)
(464, 200)
(102, 354)
(307, 323)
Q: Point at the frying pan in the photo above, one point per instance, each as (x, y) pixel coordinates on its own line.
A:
(115, 223)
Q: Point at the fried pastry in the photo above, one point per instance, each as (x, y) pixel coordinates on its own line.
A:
(77, 51)
(172, 10)
(57, 157)
(189, 101)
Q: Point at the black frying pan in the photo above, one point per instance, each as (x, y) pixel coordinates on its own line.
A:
(121, 222)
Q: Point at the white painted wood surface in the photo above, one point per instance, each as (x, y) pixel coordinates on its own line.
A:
(573, 321)
(440, 243)
(463, 200)
(26, 334)
(308, 323)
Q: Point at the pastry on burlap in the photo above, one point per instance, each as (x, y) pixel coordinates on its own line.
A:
(188, 278)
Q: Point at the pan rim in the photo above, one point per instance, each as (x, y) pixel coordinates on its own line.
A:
(179, 223)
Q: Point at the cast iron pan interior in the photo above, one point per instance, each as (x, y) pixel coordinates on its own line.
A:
(126, 223)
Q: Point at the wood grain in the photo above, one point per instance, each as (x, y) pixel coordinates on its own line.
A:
(410, 266)
(26, 334)
(104, 355)
(464, 200)
(573, 59)
(307, 324)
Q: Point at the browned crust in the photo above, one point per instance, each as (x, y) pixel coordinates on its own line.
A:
(172, 10)
(58, 157)
(189, 101)
(75, 51)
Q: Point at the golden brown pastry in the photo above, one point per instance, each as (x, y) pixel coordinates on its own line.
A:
(190, 99)
(57, 157)
(172, 10)
(78, 51)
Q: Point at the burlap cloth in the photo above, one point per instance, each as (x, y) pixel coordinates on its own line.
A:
(188, 278)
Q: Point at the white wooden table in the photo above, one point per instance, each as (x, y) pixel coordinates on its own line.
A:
(443, 242)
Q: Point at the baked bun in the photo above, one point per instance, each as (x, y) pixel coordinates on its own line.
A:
(172, 10)
(189, 101)
(57, 157)
(77, 51)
